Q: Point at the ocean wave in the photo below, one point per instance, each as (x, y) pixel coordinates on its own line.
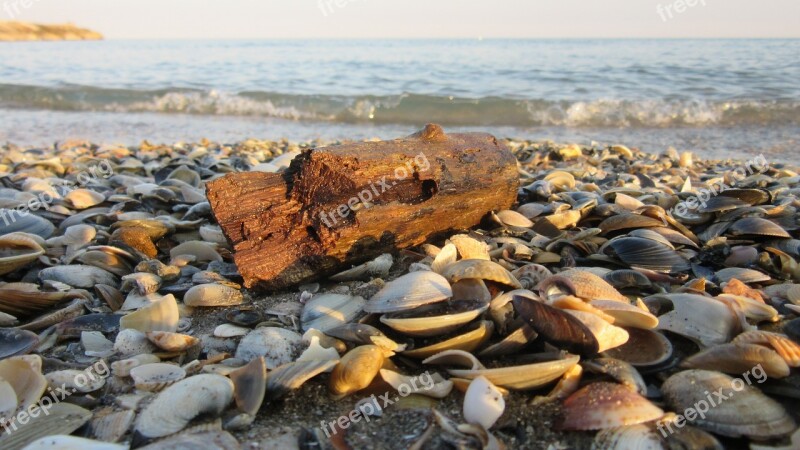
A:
(409, 108)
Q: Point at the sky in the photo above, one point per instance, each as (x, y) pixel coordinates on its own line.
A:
(371, 19)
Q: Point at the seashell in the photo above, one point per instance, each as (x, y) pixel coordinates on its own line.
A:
(511, 343)
(446, 256)
(136, 240)
(212, 233)
(646, 254)
(744, 411)
(78, 276)
(62, 419)
(227, 330)
(276, 345)
(359, 333)
(621, 371)
(14, 220)
(701, 319)
(530, 376)
(154, 377)
(468, 341)
(84, 198)
(754, 310)
(785, 347)
(532, 210)
(249, 386)
(134, 301)
(7, 320)
(757, 227)
(209, 440)
(603, 405)
(628, 221)
(213, 295)
(625, 314)
(480, 269)
(144, 283)
(244, 317)
(737, 359)
(327, 311)
(17, 250)
(741, 274)
(84, 381)
(378, 267)
(161, 315)
(455, 358)
(645, 349)
(471, 289)
(434, 387)
(470, 248)
(557, 326)
(112, 426)
(580, 283)
(637, 436)
(172, 342)
(410, 291)
(607, 335)
(16, 342)
(132, 342)
(156, 267)
(626, 278)
(25, 380)
(560, 221)
(627, 202)
(530, 275)
(356, 370)
(512, 219)
(291, 376)
(202, 251)
(114, 263)
(315, 350)
(434, 320)
(95, 344)
(123, 367)
(483, 403)
(178, 404)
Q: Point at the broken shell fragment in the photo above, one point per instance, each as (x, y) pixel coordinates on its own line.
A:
(292, 375)
(161, 315)
(704, 320)
(249, 385)
(483, 403)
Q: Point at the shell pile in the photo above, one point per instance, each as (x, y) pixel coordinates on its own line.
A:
(599, 302)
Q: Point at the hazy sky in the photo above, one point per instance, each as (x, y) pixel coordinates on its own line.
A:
(416, 18)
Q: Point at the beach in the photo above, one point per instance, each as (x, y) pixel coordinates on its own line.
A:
(129, 177)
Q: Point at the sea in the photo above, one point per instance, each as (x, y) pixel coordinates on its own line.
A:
(718, 98)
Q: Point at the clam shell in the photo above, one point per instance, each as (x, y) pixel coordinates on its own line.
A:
(602, 405)
(250, 384)
(741, 274)
(416, 323)
(626, 315)
(84, 198)
(131, 342)
(757, 227)
(608, 336)
(172, 342)
(701, 319)
(326, 311)
(227, 330)
(446, 256)
(356, 370)
(410, 291)
(78, 276)
(470, 248)
(12, 221)
(156, 376)
(433, 386)
(27, 381)
(785, 347)
(468, 341)
(16, 342)
(743, 412)
(18, 250)
(583, 284)
(646, 254)
(480, 269)
(628, 221)
(529, 376)
(513, 219)
(161, 315)
(645, 349)
(737, 359)
(143, 282)
(178, 404)
(112, 426)
(84, 381)
(202, 251)
(213, 295)
(455, 358)
(637, 437)
(378, 267)
(291, 376)
(557, 326)
(95, 344)
(277, 345)
(62, 419)
(123, 367)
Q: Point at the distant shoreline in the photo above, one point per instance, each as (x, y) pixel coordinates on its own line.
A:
(21, 31)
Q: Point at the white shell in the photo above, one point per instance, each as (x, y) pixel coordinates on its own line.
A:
(410, 291)
(66, 442)
(227, 330)
(483, 403)
(123, 367)
(78, 276)
(213, 294)
(704, 320)
(84, 381)
(315, 351)
(426, 384)
(161, 315)
(276, 345)
(95, 344)
(327, 311)
(178, 404)
(132, 342)
(172, 342)
(156, 376)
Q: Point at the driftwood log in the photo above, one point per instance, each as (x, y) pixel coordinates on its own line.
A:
(342, 205)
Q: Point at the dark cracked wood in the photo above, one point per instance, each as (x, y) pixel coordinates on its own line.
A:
(342, 205)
